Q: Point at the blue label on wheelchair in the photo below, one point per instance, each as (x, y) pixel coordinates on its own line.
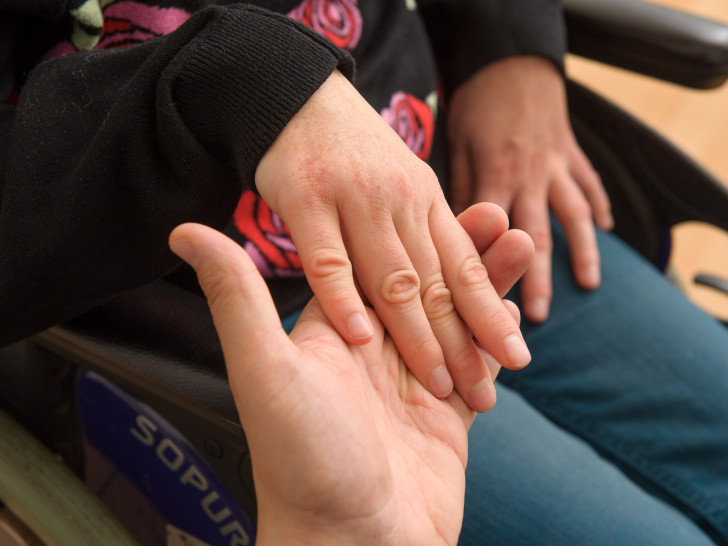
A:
(150, 475)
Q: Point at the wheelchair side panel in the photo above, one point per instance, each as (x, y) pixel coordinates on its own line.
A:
(150, 475)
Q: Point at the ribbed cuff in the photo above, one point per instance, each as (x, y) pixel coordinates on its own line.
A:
(244, 78)
(471, 34)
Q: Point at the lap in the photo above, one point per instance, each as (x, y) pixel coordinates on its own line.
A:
(530, 482)
(616, 433)
(640, 375)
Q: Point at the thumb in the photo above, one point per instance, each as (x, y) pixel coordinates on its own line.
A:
(245, 317)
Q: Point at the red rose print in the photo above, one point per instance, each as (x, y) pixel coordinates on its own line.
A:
(413, 120)
(128, 23)
(339, 21)
(266, 238)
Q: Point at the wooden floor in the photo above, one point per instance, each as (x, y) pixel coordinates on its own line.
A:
(697, 121)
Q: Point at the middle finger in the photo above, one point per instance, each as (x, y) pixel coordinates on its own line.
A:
(467, 367)
(473, 294)
(392, 285)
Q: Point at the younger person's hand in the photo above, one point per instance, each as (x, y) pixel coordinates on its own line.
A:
(347, 446)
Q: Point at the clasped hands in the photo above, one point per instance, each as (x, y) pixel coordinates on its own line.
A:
(372, 226)
(347, 445)
(357, 423)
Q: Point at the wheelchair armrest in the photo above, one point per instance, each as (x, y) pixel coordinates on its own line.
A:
(650, 39)
(712, 281)
(651, 183)
(718, 283)
(159, 339)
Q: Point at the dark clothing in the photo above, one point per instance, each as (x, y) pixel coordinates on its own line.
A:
(116, 126)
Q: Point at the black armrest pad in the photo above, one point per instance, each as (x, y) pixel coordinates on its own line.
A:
(651, 183)
(649, 39)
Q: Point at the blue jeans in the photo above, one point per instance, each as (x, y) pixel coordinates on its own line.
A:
(617, 432)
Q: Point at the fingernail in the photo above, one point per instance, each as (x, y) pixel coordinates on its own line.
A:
(440, 383)
(359, 327)
(539, 309)
(592, 276)
(608, 222)
(184, 249)
(482, 396)
(517, 353)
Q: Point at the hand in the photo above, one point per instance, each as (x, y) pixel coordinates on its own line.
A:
(347, 446)
(512, 144)
(353, 194)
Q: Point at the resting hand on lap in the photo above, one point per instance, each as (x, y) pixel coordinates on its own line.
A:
(511, 143)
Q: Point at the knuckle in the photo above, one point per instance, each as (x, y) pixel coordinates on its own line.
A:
(308, 179)
(406, 186)
(541, 237)
(327, 263)
(400, 287)
(359, 176)
(472, 273)
(579, 210)
(498, 322)
(220, 287)
(428, 175)
(411, 179)
(437, 301)
(426, 351)
(462, 361)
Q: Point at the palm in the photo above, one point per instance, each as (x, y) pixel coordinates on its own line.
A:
(388, 458)
(347, 446)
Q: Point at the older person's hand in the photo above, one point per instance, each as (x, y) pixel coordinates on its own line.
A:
(363, 208)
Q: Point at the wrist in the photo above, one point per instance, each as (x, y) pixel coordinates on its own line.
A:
(309, 530)
(289, 155)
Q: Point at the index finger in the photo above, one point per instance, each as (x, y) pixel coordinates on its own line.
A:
(475, 298)
(316, 232)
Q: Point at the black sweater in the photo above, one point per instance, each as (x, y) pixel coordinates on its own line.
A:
(103, 151)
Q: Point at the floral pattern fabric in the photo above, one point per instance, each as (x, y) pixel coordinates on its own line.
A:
(413, 120)
(339, 21)
(258, 229)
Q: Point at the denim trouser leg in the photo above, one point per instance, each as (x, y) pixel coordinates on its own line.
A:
(531, 483)
(639, 379)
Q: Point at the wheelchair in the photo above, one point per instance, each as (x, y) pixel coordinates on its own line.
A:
(119, 427)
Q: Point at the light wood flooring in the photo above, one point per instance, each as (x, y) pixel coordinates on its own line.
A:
(696, 121)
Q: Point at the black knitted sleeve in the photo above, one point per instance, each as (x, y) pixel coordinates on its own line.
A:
(107, 151)
(469, 34)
